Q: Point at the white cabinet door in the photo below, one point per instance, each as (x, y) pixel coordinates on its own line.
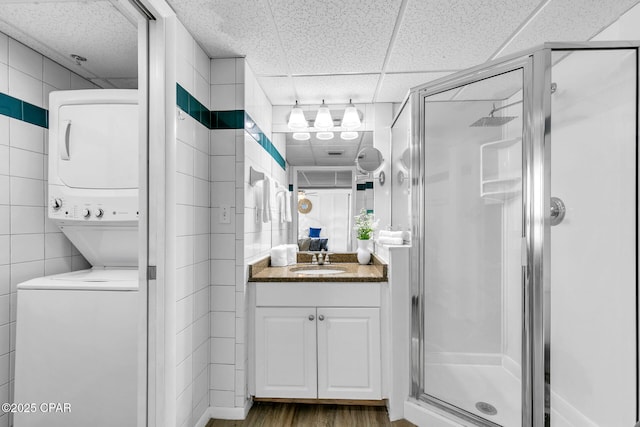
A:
(286, 352)
(349, 353)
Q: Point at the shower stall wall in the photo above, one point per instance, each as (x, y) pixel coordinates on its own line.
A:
(524, 218)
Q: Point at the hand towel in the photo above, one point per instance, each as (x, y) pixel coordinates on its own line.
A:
(287, 207)
(292, 257)
(266, 200)
(390, 240)
(281, 197)
(391, 234)
(279, 256)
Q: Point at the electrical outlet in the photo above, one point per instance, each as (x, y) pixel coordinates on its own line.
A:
(225, 214)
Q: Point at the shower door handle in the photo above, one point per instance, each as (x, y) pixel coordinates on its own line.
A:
(558, 211)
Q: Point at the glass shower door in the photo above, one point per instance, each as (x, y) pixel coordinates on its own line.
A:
(472, 275)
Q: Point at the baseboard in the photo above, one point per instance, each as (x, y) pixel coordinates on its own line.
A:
(223, 413)
(204, 419)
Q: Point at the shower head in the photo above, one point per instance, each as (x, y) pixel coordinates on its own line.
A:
(492, 120)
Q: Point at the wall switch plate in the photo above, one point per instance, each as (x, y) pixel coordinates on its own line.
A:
(225, 214)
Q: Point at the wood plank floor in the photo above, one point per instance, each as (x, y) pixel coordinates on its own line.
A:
(268, 414)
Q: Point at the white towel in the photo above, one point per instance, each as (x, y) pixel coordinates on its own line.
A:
(287, 207)
(279, 256)
(266, 199)
(273, 199)
(391, 234)
(281, 199)
(390, 240)
(292, 257)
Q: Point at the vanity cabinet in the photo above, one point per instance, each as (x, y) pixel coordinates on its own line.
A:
(324, 352)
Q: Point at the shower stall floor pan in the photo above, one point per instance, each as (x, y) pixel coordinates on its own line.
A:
(465, 385)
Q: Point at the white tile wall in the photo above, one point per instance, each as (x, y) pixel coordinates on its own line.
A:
(192, 239)
(30, 246)
(234, 245)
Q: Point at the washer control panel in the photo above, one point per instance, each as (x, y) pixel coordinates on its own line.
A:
(118, 209)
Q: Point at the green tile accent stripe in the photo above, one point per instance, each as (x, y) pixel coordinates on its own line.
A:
(370, 211)
(254, 130)
(361, 187)
(232, 119)
(369, 184)
(21, 110)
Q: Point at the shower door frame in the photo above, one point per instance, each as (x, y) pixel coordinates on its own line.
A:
(536, 168)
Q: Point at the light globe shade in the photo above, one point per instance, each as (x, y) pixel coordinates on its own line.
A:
(351, 118)
(323, 121)
(324, 136)
(301, 136)
(297, 120)
(348, 136)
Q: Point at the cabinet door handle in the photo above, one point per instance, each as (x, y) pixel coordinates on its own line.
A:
(321, 318)
(311, 317)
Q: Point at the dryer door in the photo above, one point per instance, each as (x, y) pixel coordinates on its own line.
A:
(98, 146)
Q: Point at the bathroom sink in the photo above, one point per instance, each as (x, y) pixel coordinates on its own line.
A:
(315, 270)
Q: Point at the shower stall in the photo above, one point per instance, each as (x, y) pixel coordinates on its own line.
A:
(525, 257)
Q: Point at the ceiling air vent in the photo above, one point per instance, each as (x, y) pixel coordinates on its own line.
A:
(335, 153)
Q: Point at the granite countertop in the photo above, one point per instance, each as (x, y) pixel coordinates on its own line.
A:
(376, 271)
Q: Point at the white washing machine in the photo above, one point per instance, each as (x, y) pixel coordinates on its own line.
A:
(76, 347)
(77, 333)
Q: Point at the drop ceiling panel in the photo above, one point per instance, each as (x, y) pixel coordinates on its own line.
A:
(450, 35)
(279, 90)
(335, 36)
(569, 20)
(394, 87)
(336, 89)
(235, 28)
(95, 30)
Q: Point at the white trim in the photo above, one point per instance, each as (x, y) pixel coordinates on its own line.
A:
(224, 413)
(204, 419)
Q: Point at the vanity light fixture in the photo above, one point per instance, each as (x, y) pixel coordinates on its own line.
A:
(348, 135)
(323, 121)
(351, 118)
(297, 121)
(301, 136)
(324, 136)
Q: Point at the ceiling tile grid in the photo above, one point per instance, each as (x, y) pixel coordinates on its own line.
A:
(568, 20)
(335, 36)
(395, 87)
(336, 89)
(438, 35)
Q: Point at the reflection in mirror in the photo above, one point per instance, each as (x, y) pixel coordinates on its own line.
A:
(369, 160)
(326, 205)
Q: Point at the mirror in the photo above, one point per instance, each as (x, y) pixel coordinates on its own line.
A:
(326, 203)
(369, 160)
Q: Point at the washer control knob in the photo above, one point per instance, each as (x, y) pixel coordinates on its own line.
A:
(86, 213)
(57, 203)
(98, 213)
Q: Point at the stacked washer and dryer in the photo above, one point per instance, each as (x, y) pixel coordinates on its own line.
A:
(76, 333)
